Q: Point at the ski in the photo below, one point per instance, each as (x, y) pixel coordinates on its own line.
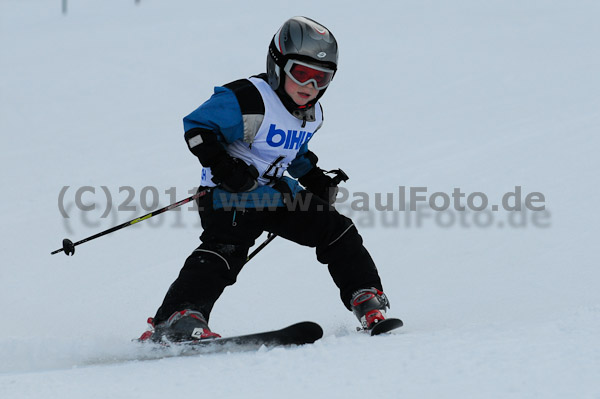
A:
(386, 326)
(297, 334)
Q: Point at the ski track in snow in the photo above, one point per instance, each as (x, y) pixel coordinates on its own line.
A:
(483, 96)
(475, 361)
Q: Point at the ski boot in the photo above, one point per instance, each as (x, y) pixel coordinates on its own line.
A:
(183, 326)
(369, 305)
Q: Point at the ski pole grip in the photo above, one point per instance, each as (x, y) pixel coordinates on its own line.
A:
(339, 177)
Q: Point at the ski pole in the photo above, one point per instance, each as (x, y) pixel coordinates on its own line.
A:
(270, 237)
(340, 176)
(69, 246)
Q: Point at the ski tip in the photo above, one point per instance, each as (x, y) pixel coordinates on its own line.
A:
(308, 330)
(386, 325)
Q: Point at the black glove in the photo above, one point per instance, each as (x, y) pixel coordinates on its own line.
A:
(321, 185)
(234, 175)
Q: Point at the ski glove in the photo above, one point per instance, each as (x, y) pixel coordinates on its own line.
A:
(321, 185)
(234, 175)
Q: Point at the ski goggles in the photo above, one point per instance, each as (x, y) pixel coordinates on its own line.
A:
(302, 73)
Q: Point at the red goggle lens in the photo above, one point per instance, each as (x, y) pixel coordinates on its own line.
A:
(303, 74)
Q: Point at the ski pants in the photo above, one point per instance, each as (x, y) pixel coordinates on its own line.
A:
(229, 233)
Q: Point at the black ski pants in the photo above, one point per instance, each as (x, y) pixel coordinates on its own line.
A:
(229, 233)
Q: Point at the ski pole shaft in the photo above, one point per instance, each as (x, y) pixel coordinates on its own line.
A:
(69, 246)
(270, 238)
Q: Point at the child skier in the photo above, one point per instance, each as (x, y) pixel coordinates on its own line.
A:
(246, 136)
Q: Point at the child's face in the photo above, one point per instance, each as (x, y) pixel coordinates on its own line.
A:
(301, 95)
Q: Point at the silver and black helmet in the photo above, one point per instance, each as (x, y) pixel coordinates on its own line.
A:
(302, 39)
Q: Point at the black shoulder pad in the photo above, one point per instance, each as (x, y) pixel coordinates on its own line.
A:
(248, 97)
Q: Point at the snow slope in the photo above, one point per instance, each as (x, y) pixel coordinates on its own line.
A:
(482, 96)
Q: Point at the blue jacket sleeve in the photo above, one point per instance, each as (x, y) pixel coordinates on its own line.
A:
(300, 165)
(220, 113)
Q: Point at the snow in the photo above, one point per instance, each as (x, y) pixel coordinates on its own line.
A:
(483, 96)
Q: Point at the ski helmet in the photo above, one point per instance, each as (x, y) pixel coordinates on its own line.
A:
(301, 39)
